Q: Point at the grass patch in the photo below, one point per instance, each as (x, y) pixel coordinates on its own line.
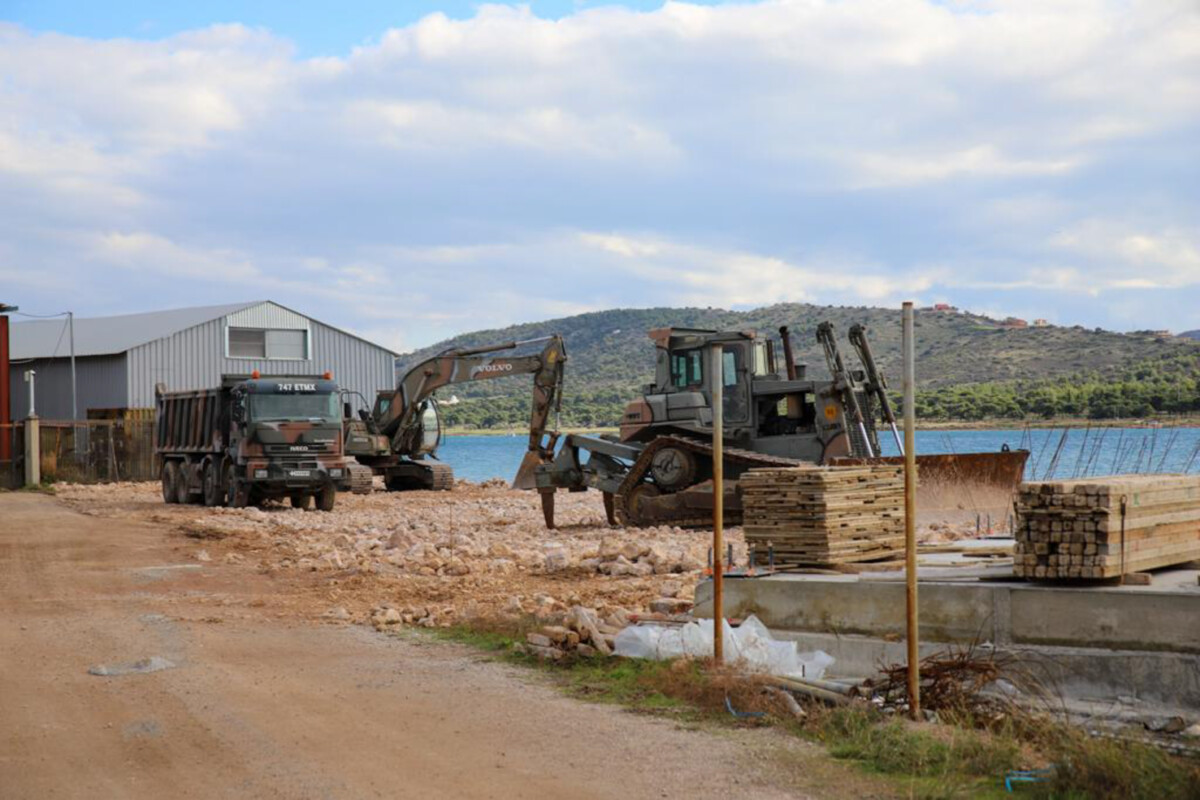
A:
(42, 488)
(941, 760)
(1089, 767)
(960, 757)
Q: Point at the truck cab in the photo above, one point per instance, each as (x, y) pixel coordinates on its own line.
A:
(288, 434)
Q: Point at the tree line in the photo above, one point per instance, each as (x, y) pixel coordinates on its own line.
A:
(1166, 385)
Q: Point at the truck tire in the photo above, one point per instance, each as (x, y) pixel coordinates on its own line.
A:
(301, 500)
(237, 494)
(211, 481)
(170, 476)
(327, 497)
(183, 494)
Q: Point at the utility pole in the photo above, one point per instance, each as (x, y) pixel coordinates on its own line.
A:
(74, 401)
(5, 388)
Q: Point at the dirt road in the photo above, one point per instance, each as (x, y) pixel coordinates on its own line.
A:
(259, 703)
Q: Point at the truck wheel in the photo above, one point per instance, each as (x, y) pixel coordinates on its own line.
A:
(213, 496)
(183, 494)
(301, 500)
(170, 476)
(326, 498)
(237, 493)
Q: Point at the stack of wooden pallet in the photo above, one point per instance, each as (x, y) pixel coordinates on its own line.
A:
(1104, 527)
(821, 516)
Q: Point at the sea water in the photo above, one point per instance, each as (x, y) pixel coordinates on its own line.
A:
(1054, 452)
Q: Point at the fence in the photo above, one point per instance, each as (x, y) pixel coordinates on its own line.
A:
(98, 451)
(12, 469)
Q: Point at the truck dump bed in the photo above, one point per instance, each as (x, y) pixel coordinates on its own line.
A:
(192, 421)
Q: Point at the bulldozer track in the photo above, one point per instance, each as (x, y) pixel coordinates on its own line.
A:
(640, 467)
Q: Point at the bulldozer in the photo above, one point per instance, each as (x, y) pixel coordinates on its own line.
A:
(399, 437)
(658, 469)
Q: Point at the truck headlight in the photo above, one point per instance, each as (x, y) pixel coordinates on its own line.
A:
(260, 473)
(336, 472)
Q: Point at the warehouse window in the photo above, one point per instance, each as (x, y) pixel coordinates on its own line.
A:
(287, 344)
(263, 343)
(247, 343)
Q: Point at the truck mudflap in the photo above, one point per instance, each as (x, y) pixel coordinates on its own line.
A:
(955, 487)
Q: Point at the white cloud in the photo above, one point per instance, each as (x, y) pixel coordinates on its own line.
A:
(457, 174)
(1126, 257)
(147, 252)
(984, 161)
(699, 275)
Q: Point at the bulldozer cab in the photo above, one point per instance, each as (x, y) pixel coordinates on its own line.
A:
(762, 411)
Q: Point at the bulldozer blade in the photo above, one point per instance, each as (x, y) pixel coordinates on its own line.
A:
(525, 474)
(610, 508)
(956, 487)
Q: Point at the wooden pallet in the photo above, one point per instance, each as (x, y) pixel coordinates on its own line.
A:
(824, 516)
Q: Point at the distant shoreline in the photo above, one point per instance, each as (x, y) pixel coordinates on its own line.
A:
(928, 425)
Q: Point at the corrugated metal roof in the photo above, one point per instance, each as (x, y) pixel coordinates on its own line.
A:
(107, 335)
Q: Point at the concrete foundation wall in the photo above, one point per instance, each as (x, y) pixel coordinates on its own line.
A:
(1003, 613)
(1122, 646)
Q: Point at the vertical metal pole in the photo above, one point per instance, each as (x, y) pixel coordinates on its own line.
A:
(71, 328)
(910, 510)
(718, 546)
(5, 405)
(30, 376)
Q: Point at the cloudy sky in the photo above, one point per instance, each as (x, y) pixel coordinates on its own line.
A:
(413, 170)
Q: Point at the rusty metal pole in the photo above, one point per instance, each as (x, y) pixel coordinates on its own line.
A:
(718, 544)
(910, 510)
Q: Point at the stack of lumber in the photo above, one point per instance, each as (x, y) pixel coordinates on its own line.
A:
(1073, 529)
(820, 516)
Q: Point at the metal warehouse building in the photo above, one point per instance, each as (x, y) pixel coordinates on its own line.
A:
(118, 360)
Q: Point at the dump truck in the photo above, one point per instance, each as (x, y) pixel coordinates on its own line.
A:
(658, 469)
(252, 439)
(398, 438)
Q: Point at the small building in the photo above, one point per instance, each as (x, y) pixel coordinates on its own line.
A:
(1041, 323)
(118, 360)
(946, 307)
(1014, 322)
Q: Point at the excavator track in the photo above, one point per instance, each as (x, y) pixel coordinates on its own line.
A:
(685, 518)
(362, 479)
(441, 477)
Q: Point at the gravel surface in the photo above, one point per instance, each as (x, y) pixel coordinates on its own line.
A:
(444, 557)
(439, 557)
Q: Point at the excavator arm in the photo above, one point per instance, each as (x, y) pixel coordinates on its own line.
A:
(400, 421)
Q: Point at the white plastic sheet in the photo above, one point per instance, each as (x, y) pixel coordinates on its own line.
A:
(750, 644)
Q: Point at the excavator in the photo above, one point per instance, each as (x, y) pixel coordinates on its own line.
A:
(658, 469)
(398, 438)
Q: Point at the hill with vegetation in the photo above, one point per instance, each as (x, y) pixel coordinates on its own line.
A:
(969, 367)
